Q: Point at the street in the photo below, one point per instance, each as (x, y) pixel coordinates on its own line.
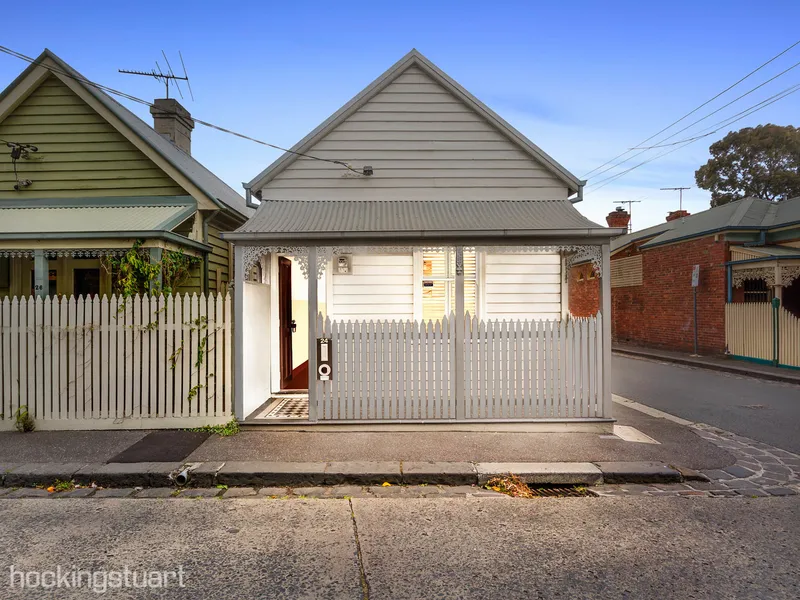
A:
(766, 411)
(415, 548)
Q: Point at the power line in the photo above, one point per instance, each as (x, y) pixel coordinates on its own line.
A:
(704, 118)
(110, 90)
(754, 71)
(683, 143)
(732, 119)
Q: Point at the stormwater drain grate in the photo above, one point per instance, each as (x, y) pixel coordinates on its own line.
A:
(561, 492)
(513, 486)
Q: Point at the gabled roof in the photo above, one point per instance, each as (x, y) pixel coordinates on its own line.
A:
(373, 89)
(209, 184)
(434, 220)
(746, 214)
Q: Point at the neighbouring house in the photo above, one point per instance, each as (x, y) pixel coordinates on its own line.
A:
(412, 254)
(748, 252)
(82, 178)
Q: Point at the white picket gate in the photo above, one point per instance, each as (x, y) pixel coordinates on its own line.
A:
(750, 330)
(141, 362)
(503, 370)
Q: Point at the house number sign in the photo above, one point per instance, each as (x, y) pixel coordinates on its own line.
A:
(324, 360)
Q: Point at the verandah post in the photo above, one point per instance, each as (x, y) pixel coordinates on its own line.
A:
(41, 279)
(605, 303)
(312, 333)
(458, 336)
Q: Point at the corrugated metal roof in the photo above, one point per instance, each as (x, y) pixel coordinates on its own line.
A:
(775, 251)
(392, 216)
(752, 213)
(38, 220)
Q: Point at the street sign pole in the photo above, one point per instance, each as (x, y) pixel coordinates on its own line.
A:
(695, 284)
(695, 321)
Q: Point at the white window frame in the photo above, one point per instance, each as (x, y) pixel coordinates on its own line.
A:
(419, 277)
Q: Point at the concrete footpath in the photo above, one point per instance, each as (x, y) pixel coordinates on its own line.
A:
(714, 363)
(648, 447)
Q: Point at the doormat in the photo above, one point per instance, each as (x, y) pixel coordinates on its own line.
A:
(162, 446)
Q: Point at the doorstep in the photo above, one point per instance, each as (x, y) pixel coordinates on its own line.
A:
(266, 474)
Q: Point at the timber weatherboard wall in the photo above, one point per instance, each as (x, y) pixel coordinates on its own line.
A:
(381, 286)
(218, 261)
(522, 286)
(424, 144)
(388, 286)
(80, 153)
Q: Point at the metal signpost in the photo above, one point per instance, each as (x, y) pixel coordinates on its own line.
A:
(695, 284)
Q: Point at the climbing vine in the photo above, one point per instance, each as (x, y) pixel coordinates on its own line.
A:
(133, 272)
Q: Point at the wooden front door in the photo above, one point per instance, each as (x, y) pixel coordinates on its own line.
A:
(285, 317)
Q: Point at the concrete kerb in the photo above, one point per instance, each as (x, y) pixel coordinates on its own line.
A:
(364, 473)
(31, 474)
(267, 474)
(554, 473)
(439, 473)
(148, 474)
(638, 472)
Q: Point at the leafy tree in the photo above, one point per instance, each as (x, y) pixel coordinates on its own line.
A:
(762, 161)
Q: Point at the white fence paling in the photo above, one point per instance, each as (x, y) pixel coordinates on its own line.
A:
(512, 370)
(140, 362)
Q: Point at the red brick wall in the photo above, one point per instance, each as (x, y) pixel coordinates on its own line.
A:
(584, 292)
(659, 312)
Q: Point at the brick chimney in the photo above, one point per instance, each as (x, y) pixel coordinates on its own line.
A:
(618, 218)
(174, 122)
(677, 214)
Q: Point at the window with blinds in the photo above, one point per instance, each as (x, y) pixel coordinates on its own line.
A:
(439, 285)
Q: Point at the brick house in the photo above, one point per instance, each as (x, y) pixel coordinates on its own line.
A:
(748, 251)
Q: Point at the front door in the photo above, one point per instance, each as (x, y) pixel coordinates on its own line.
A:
(286, 322)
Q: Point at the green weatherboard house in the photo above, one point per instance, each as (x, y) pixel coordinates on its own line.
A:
(83, 179)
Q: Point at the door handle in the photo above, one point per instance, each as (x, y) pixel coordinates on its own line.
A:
(293, 326)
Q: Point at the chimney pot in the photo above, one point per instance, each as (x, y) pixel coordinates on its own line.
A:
(677, 214)
(618, 218)
(174, 122)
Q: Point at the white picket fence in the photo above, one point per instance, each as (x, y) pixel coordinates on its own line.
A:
(91, 363)
(504, 370)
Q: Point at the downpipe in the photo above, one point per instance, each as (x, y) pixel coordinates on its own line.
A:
(183, 477)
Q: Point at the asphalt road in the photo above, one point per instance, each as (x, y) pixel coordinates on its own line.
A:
(409, 548)
(762, 410)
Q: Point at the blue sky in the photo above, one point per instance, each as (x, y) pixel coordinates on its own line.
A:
(583, 80)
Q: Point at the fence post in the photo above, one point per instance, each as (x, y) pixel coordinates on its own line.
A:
(776, 344)
(312, 333)
(605, 333)
(458, 337)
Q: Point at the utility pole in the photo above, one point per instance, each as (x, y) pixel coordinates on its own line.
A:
(630, 204)
(680, 191)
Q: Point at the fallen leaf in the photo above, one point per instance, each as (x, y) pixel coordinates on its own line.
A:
(386, 484)
(51, 489)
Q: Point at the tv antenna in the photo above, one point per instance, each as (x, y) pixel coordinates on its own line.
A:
(630, 204)
(680, 191)
(165, 77)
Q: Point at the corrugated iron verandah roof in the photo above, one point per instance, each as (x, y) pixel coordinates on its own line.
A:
(319, 220)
